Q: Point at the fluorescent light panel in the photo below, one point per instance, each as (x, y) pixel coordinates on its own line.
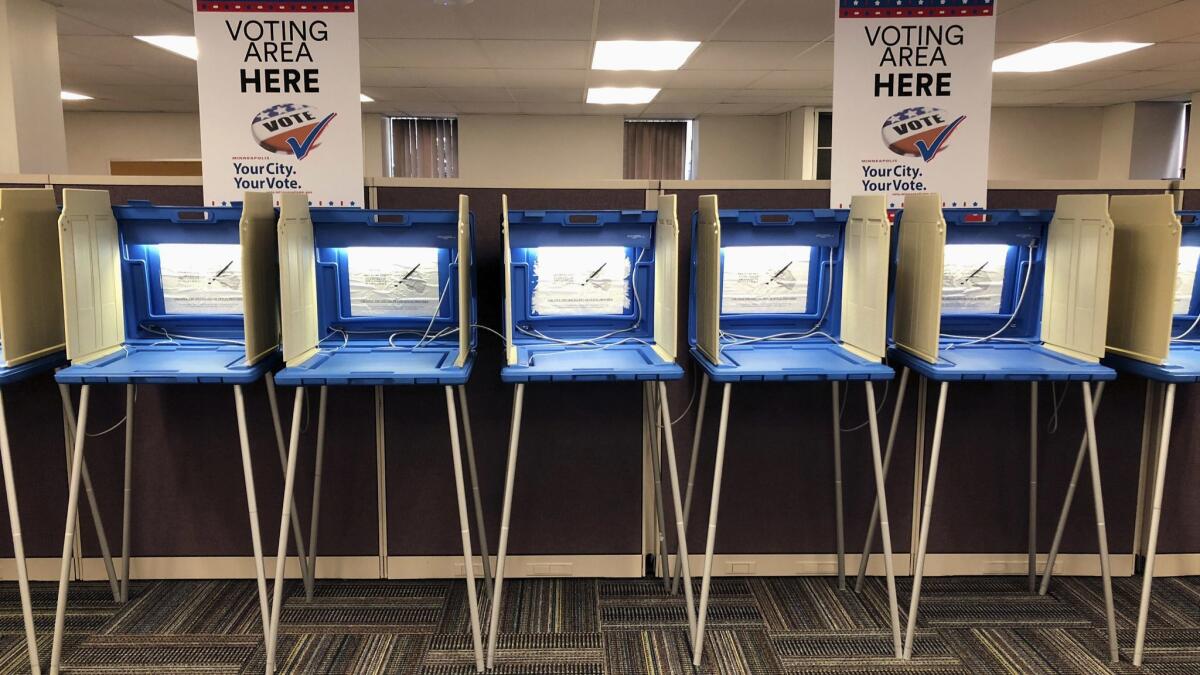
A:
(72, 96)
(641, 54)
(1059, 55)
(183, 45)
(621, 95)
(363, 98)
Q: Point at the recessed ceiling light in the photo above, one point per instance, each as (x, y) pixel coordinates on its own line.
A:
(621, 95)
(1059, 55)
(363, 98)
(72, 96)
(641, 54)
(183, 45)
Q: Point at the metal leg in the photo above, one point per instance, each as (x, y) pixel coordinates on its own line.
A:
(698, 638)
(655, 450)
(296, 531)
(14, 521)
(311, 575)
(60, 612)
(885, 527)
(252, 506)
(127, 509)
(381, 492)
(1066, 508)
(887, 462)
(838, 514)
(101, 535)
(479, 521)
(505, 517)
(1101, 531)
(289, 486)
(680, 521)
(1033, 484)
(687, 500)
(1160, 475)
(464, 522)
(926, 513)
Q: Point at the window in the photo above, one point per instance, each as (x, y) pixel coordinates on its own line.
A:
(658, 149)
(824, 154)
(423, 147)
(973, 278)
(765, 279)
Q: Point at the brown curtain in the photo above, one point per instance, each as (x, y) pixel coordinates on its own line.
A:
(655, 150)
(425, 147)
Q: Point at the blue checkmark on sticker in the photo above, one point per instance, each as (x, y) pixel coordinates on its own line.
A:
(928, 152)
(301, 149)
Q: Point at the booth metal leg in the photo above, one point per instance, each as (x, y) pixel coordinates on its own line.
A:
(252, 506)
(296, 531)
(1033, 484)
(60, 612)
(884, 526)
(926, 513)
(127, 508)
(655, 451)
(838, 513)
(484, 555)
(714, 508)
(1067, 500)
(505, 517)
(687, 500)
(310, 573)
(289, 486)
(887, 461)
(680, 519)
(1160, 475)
(1101, 531)
(464, 522)
(14, 521)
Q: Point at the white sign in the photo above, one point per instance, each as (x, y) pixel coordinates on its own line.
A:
(279, 100)
(765, 280)
(912, 99)
(393, 281)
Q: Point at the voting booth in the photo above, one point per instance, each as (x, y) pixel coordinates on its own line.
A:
(1005, 295)
(374, 298)
(791, 296)
(590, 296)
(171, 296)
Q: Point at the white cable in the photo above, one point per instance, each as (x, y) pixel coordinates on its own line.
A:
(1179, 338)
(878, 409)
(815, 331)
(171, 337)
(1012, 317)
(637, 322)
(1052, 425)
(115, 426)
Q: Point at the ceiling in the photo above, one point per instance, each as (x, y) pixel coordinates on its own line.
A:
(531, 56)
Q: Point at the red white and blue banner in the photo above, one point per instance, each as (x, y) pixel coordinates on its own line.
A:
(912, 99)
(279, 100)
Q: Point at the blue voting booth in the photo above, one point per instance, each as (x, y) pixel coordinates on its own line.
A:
(1018, 296)
(375, 298)
(791, 296)
(171, 296)
(590, 296)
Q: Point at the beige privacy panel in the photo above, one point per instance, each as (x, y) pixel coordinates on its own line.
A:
(260, 275)
(464, 279)
(1078, 267)
(91, 275)
(508, 299)
(666, 277)
(865, 277)
(297, 279)
(31, 316)
(708, 279)
(922, 251)
(1144, 260)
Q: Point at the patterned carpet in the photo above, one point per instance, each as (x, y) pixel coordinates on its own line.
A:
(610, 626)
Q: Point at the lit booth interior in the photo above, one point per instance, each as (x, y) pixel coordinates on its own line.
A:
(167, 296)
(792, 296)
(1005, 295)
(375, 298)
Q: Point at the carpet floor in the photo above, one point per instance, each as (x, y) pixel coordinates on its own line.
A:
(610, 627)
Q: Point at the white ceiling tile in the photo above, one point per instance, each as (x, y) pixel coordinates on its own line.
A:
(740, 108)
(1174, 21)
(394, 77)
(488, 107)
(628, 78)
(1058, 79)
(1027, 97)
(1047, 20)
(795, 79)
(780, 20)
(411, 19)
(674, 110)
(627, 110)
(818, 57)
(459, 77)
(548, 95)
(130, 17)
(404, 94)
(720, 79)
(416, 53)
(69, 25)
(695, 95)
(776, 96)
(475, 94)
(529, 78)
(1146, 79)
(115, 50)
(1167, 56)
(142, 105)
(746, 55)
(430, 108)
(661, 19)
(536, 53)
(549, 108)
(140, 92)
(528, 19)
(1113, 97)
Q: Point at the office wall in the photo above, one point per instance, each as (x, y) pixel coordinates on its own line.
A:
(538, 147)
(741, 147)
(1045, 143)
(1116, 141)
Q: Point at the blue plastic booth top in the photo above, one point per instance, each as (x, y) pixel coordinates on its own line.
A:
(584, 347)
(793, 346)
(1017, 353)
(155, 351)
(385, 349)
(24, 371)
(1183, 358)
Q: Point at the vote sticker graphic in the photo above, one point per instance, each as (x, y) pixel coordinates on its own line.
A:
(920, 131)
(290, 129)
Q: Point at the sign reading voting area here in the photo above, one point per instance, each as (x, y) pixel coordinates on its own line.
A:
(201, 278)
(393, 281)
(279, 100)
(765, 280)
(912, 97)
(581, 280)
